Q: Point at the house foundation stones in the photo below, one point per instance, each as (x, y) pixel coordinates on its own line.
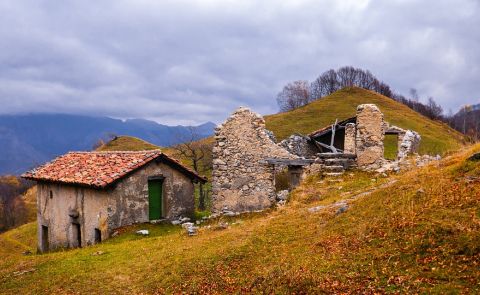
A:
(241, 178)
(370, 136)
(349, 143)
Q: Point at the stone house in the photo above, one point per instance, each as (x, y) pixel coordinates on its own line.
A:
(82, 197)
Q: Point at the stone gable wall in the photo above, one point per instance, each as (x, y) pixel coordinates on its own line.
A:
(241, 179)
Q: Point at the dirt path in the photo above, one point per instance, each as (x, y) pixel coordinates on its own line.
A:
(344, 204)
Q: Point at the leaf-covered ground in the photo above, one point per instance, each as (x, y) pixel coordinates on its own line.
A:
(418, 232)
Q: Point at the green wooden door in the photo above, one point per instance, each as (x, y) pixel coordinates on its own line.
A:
(155, 199)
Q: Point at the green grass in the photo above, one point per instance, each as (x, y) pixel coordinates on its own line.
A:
(437, 137)
(419, 235)
(127, 143)
(391, 147)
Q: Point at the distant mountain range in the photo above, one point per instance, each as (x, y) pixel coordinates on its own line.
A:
(29, 140)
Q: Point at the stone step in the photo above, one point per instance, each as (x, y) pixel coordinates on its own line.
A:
(346, 163)
(333, 174)
(338, 163)
(337, 168)
(338, 155)
(336, 160)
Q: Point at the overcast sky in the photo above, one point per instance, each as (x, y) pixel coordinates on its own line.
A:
(188, 62)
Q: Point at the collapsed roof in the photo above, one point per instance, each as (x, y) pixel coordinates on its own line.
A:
(331, 138)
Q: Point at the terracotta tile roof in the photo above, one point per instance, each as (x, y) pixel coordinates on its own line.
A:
(100, 169)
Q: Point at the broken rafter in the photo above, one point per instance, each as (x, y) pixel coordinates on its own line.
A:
(333, 149)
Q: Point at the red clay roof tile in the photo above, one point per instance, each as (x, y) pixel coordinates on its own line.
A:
(100, 169)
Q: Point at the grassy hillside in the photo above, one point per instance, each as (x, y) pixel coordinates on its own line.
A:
(418, 232)
(436, 137)
(127, 143)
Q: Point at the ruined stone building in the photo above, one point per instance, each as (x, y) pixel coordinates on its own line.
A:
(82, 197)
(246, 156)
(360, 138)
(242, 180)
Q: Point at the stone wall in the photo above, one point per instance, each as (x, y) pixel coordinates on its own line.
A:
(370, 136)
(299, 145)
(241, 179)
(349, 144)
(409, 144)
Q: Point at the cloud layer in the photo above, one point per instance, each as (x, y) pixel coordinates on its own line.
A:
(183, 62)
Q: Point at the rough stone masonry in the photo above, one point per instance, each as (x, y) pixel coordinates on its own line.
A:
(370, 136)
(241, 178)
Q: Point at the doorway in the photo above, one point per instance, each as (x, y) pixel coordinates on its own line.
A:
(98, 236)
(77, 235)
(45, 245)
(390, 144)
(155, 200)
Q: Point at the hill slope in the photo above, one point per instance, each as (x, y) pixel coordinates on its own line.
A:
(436, 136)
(413, 233)
(130, 143)
(127, 143)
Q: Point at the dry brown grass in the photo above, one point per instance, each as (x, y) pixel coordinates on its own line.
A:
(418, 235)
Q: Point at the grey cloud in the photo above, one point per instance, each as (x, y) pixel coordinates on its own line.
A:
(188, 62)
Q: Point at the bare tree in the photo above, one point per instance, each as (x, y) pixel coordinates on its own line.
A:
(325, 84)
(348, 76)
(198, 153)
(331, 81)
(414, 94)
(435, 110)
(467, 121)
(466, 110)
(104, 140)
(12, 207)
(294, 95)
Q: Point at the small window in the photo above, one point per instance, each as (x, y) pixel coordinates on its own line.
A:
(98, 236)
(51, 195)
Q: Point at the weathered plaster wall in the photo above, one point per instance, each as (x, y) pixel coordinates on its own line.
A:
(370, 136)
(124, 204)
(241, 179)
(132, 194)
(54, 211)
